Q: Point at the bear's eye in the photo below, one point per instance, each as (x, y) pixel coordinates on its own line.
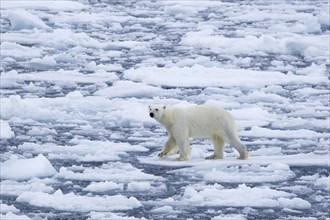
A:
(156, 109)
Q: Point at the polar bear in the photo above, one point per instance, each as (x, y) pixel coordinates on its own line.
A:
(204, 121)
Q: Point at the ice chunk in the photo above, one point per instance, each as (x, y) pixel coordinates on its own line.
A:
(14, 188)
(17, 51)
(288, 134)
(275, 172)
(72, 202)
(60, 5)
(145, 186)
(43, 63)
(229, 217)
(11, 216)
(323, 182)
(110, 215)
(83, 150)
(243, 196)
(5, 130)
(21, 19)
(163, 209)
(4, 208)
(23, 169)
(119, 172)
(103, 186)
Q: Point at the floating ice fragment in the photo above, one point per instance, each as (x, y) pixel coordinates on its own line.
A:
(24, 169)
(243, 196)
(103, 186)
(4, 208)
(5, 130)
(11, 216)
(21, 19)
(72, 202)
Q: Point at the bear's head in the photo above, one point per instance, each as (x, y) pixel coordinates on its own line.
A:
(156, 111)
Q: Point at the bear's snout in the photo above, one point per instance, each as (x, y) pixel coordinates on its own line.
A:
(151, 114)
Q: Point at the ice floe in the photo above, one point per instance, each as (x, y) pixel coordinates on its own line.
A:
(5, 130)
(72, 202)
(23, 169)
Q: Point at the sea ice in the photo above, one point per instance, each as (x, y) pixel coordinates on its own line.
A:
(72, 202)
(103, 186)
(15, 188)
(21, 19)
(5, 130)
(198, 76)
(243, 196)
(24, 169)
(125, 89)
(117, 171)
(12, 216)
(4, 208)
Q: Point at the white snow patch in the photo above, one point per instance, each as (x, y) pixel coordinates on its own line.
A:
(23, 169)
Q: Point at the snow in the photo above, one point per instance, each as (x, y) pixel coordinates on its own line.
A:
(23, 169)
(76, 81)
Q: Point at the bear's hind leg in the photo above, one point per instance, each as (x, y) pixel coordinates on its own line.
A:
(241, 148)
(219, 145)
(169, 146)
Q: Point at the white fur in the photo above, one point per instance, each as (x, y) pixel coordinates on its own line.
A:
(205, 121)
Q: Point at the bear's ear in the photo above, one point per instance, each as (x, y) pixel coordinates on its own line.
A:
(164, 106)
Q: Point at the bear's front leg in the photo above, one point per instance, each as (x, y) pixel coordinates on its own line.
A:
(184, 149)
(169, 146)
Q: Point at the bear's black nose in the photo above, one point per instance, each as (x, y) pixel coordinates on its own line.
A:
(151, 114)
